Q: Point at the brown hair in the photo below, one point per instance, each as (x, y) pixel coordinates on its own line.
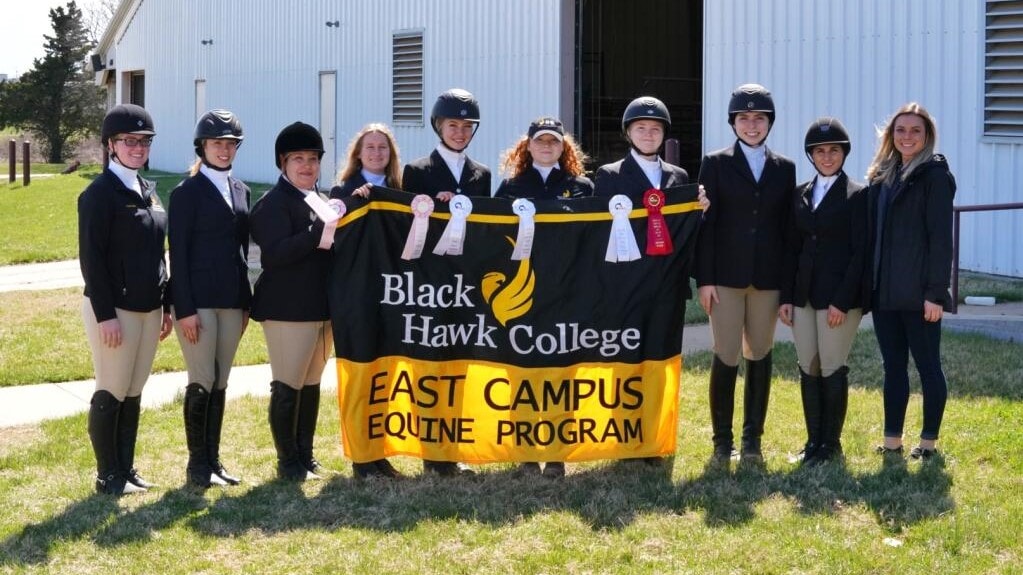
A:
(517, 159)
(353, 166)
(886, 160)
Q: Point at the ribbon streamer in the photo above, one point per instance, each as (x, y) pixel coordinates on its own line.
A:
(658, 240)
(454, 233)
(621, 246)
(337, 207)
(422, 207)
(527, 228)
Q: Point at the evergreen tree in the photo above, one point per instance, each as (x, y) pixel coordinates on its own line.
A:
(56, 99)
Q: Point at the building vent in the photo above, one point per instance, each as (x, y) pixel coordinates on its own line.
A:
(407, 78)
(1003, 68)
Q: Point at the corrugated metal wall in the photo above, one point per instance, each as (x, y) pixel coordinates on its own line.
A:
(266, 57)
(860, 61)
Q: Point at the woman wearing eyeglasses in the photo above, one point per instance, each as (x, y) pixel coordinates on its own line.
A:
(210, 293)
(121, 232)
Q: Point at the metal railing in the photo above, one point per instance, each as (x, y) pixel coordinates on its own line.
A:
(957, 210)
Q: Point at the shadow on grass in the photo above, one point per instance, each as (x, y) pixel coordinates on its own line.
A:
(607, 496)
(81, 519)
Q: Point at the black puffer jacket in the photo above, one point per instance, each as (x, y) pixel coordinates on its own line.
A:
(916, 242)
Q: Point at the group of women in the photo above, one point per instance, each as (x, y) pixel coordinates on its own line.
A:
(818, 256)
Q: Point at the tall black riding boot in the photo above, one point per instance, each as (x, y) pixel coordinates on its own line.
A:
(836, 401)
(722, 406)
(127, 433)
(810, 390)
(283, 422)
(756, 394)
(104, 411)
(308, 414)
(196, 409)
(214, 424)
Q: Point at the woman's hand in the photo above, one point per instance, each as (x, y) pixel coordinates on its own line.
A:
(785, 314)
(445, 196)
(708, 297)
(190, 327)
(701, 198)
(362, 191)
(167, 325)
(836, 317)
(932, 311)
(110, 332)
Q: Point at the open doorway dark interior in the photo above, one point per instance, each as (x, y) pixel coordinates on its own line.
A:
(630, 48)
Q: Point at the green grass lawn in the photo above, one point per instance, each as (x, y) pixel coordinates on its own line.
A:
(958, 514)
(41, 220)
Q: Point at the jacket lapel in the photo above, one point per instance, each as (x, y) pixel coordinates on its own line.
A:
(738, 162)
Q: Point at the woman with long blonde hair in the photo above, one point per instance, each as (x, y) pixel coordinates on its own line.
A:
(373, 159)
(910, 224)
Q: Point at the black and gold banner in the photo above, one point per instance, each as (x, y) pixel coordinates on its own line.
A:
(478, 357)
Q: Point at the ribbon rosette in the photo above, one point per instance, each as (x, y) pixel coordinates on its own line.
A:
(454, 233)
(527, 227)
(422, 207)
(621, 246)
(658, 240)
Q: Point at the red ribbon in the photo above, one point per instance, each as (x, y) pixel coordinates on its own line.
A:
(658, 240)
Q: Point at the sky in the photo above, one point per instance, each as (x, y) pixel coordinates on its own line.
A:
(22, 26)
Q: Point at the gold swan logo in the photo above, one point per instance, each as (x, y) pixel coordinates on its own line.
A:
(509, 299)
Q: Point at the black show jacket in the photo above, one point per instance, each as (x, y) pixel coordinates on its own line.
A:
(828, 248)
(353, 183)
(431, 175)
(209, 246)
(293, 284)
(120, 246)
(531, 185)
(627, 178)
(742, 239)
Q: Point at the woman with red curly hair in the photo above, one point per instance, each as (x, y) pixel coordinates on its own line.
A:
(545, 164)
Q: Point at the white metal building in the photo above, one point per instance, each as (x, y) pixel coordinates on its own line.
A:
(338, 64)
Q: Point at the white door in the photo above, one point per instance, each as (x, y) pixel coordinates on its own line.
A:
(328, 128)
(200, 98)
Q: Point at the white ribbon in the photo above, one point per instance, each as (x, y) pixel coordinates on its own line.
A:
(454, 233)
(524, 240)
(336, 207)
(321, 208)
(621, 246)
(422, 207)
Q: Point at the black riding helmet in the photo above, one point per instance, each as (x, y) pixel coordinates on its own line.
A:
(458, 104)
(751, 98)
(217, 124)
(826, 130)
(645, 108)
(297, 137)
(126, 119)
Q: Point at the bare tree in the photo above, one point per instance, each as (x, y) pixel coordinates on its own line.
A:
(96, 17)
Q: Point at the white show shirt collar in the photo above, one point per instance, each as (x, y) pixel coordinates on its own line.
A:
(220, 181)
(454, 160)
(128, 176)
(652, 168)
(820, 188)
(755, 157)
(545, 171)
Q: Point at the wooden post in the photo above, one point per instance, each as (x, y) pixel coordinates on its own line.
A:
(12, 161)
(672, 149)
(25, 162)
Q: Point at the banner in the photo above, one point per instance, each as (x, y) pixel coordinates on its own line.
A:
(491, 331)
